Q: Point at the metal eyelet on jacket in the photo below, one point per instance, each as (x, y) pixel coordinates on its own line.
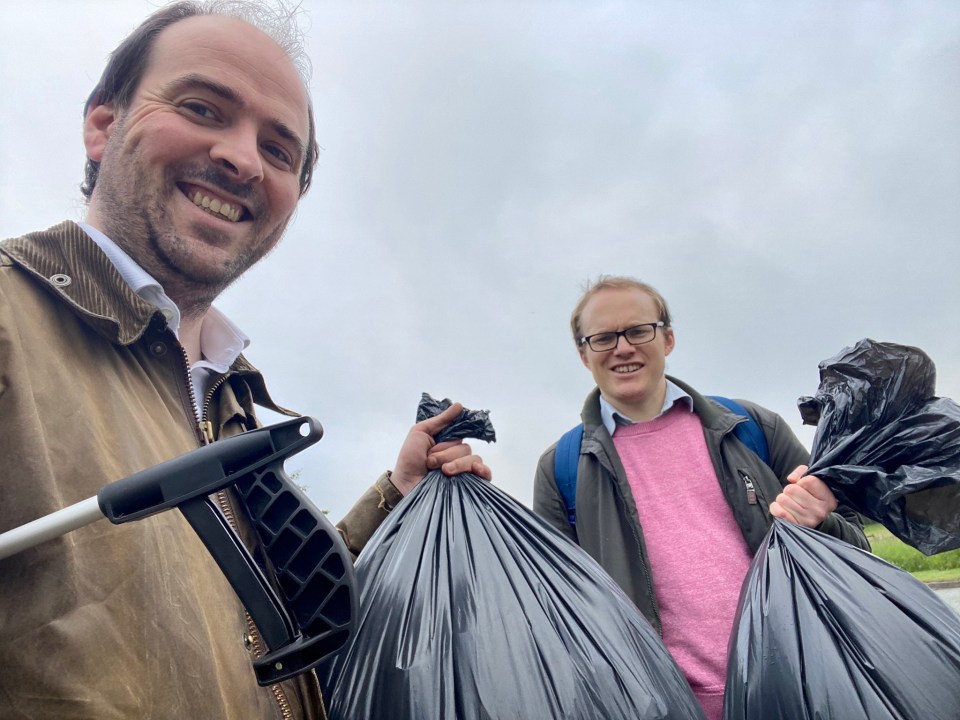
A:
(158, 348)
(61, 280)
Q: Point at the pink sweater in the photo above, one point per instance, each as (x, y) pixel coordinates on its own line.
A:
(697, 553)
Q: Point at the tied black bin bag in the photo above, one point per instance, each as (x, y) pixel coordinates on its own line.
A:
(886, 445)
(826, 630)
(471, 607)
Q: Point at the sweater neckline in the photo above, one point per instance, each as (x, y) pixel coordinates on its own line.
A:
(669, 418)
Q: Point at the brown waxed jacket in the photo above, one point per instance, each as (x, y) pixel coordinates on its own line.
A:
(134, 620)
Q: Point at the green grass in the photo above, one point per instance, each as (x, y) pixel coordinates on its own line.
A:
(941, 567)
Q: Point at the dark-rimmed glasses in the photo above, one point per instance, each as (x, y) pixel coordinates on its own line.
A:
(636, 335)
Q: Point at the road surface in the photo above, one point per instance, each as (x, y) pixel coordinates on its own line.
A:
(951, 596)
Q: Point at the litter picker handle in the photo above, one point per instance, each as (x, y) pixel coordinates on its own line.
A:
(205, 470)
(300, 550)
(194, 474)
(49, 527)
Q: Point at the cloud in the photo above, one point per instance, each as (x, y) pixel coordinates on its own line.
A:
(787, 175)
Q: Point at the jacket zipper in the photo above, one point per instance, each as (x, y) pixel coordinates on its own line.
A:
(253, 635)
(751, 488)
(645, 562)
(644, 558)
(203, 432)
(204, 429)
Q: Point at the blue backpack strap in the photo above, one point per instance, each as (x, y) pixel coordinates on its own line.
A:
(565, 461)
(749, 433)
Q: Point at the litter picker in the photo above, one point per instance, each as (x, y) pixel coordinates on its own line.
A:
(301, 550)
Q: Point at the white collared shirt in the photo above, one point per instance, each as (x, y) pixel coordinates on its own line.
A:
(221, 342)
(611, 417)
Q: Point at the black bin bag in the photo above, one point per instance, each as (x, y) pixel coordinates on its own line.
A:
(471, 607)
(886, 445)
(826, 630)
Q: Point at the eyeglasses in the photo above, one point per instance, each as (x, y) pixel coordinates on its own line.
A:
(636, 335)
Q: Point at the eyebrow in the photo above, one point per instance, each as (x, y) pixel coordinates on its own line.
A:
(188, 82)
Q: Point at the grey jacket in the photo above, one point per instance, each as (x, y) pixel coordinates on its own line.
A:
(608, 527)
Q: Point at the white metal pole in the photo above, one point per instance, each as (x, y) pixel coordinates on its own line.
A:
(50, 526)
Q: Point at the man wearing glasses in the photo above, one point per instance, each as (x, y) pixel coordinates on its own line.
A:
(668, 500)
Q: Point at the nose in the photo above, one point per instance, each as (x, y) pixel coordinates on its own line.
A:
(238, 152)
(622, 345)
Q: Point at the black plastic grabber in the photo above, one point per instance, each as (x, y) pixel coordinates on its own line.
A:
(300, 557)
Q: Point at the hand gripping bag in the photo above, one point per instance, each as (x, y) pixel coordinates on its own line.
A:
(886, 445)
(826, 630)
(471, 607)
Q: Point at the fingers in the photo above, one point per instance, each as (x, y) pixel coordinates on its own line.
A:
(798, 473)
(790, 510)
(481, 469)
(467, 464)
(446, 452)
(807, 501)
(456, 457)
(431, 426)
(778, 511)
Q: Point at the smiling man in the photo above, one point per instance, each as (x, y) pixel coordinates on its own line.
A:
(200, 143)
(208, 151)
(662, 492)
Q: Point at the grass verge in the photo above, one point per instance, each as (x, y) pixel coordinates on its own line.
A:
(943, 567)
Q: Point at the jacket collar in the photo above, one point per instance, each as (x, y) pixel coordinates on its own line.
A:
(67, 263)
(712, 415)
(71, 266)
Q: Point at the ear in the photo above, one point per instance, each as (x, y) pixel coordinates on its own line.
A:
(668, 341)
(97, 128)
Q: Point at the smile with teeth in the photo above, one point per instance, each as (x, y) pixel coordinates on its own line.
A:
(627, 368)
(216, 206)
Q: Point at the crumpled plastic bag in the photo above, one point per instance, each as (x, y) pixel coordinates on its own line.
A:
(886, 445)
(472, 607)
(826, 630)
(469, 423)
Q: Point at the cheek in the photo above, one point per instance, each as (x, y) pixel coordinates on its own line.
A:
(148, 125)
(284, 197)
(600, 370)
(157, 152)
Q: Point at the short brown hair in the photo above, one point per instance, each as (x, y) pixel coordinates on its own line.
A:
(129, 61)
(615, 282)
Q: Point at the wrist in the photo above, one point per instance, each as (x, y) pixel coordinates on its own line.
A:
(390, 495)
(400, 482)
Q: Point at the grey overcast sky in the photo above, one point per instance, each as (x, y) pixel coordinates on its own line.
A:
(787, 174)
